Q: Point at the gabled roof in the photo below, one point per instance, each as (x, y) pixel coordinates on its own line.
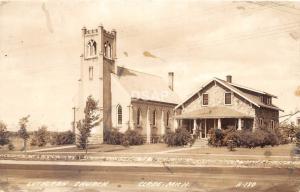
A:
(239, 91)
(146, 86)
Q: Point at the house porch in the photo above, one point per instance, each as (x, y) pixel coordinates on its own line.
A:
(200, 122)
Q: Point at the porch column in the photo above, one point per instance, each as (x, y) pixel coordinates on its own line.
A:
(200, 128)
(131, 123)
(148, 128)
(219, 123)
(205, 129)
(194, 127)
(175, 124)
(239, 124)
(162, 123)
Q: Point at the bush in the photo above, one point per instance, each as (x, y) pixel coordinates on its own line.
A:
(4, 136)
(243, 138)
(216, 137)
(62, 138)
(178, 138)
(231, 145)
(133, 137)
(40, 137)
(11, 147)
(113, 137)
(298, 139)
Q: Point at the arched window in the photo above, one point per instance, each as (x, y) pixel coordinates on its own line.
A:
(119, 114)
(91, 48)
(138, 116)
(154, 118)
(94, 48)
(107, 50)
(168, 117)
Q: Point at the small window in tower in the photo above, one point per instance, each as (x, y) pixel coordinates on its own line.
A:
(107, 50)
(94, 48)
(119, 114)
(91, 48)
(91, 73)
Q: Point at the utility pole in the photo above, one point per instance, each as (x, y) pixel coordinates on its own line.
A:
(74, 119)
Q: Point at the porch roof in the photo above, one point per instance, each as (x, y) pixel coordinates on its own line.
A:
(213, 112)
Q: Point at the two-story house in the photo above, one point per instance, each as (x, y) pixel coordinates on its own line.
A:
(222, 104)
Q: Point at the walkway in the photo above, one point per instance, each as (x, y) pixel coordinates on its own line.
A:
(51, 148)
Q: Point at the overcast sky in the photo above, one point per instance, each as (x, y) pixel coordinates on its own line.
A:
(40, 43)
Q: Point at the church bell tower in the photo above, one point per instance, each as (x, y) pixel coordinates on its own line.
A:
(97, 63)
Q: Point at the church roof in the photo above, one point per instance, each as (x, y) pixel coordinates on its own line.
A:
(213, 112)
(146, 86)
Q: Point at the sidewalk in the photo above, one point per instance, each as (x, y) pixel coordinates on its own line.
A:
(50, 149)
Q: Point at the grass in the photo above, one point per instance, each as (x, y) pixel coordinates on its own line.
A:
(281, 150)
(19, 144)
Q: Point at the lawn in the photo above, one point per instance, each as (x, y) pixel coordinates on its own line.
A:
(146, 148)
(281, 150)
(19, 144)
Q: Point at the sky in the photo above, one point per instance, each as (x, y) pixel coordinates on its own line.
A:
(258, 43)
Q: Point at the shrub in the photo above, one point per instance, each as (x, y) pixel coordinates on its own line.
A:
(231, 145)
(4, 136)
(216, 137)
(298, 139)
(33, 141)
(11, 147)
(113, 137)
(178, 138)
(133, 137)
(243, 138)
(62, 138)
(40, 137)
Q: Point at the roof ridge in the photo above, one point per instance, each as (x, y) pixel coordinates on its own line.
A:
(140, 72)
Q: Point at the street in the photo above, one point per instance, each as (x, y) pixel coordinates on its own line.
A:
(117, 178)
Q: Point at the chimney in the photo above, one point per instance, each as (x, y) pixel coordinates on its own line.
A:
(171, 80)
(229, 78)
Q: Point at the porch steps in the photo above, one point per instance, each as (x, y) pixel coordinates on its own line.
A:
(200, 143)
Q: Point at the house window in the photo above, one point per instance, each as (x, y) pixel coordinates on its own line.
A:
(227, 98)
(154, 118)
(205, 99)
(138, 117)
(91, 73)
(168, 116)
(272, 124)
(269, 101)
(119, 114)
(260, 122)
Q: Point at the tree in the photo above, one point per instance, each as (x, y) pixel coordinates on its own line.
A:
(23, 130)
(4, 136)
(290, 130)
(91, 119)
(40, 137)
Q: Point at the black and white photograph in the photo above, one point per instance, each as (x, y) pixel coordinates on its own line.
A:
(149, 96)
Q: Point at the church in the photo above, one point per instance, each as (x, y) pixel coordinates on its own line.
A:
(128, 99)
